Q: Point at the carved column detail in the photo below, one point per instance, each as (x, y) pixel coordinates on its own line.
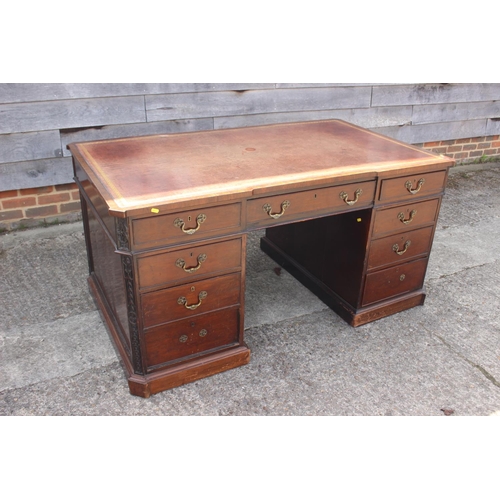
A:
(122, 238)
(128, 274)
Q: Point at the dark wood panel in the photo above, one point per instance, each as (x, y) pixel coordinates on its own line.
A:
(153, 231)
(188, 337)
(412, 186)
(165, 305)
(315, 201)
(394, 281)
(404, 217)
(189, 263)
(409, 244)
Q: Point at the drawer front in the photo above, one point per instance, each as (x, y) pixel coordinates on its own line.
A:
(399, 247)
(187, 300)
(408, 187)
(189, 263)
(186, 226)
(394, 281)
(273, 209)
(192, 336)
(404, 217)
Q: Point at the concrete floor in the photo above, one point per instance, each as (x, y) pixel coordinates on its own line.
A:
(443, 358)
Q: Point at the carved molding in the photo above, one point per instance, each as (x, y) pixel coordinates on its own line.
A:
(128, 274)
(122, 234)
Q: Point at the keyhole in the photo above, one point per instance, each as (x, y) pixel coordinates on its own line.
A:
(192, 288)
(189, 218)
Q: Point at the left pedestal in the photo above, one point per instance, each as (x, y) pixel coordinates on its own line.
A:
(174, 313)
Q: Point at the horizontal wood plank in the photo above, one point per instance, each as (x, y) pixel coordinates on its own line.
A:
(415, 134)
(175, 106)
(435, 113)
(26, 92)
(434, 93)
(492, 127)
(37, 173)
(313, 85)
(27, 117)
(364, 117)
(30, 146)
(131, 130)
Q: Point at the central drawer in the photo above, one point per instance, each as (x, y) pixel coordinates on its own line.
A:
(268, 210)
(190, 299)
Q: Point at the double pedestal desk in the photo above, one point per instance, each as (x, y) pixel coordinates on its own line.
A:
(348, 212)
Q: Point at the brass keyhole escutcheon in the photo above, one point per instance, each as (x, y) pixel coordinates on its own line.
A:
(402, 277)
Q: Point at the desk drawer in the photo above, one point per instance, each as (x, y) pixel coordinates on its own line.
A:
(189, 263)
(408, 187)
(186, 226)
(399, 247)
(268, 210)
(187, 300)
(394, 281)
(192, 336)
(404, 217)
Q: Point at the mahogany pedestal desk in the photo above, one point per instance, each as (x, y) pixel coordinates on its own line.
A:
(348, 212)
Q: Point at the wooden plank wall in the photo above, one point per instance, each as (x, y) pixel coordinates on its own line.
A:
(38, 121)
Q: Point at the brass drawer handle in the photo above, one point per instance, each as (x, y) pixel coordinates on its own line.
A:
(343, 195)
(182, 263)
(408, 185)
(401, 217)
(183, 338)
(199, 220)
(203, 333)
(267, 208)
(183, 301)
(396, 249)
